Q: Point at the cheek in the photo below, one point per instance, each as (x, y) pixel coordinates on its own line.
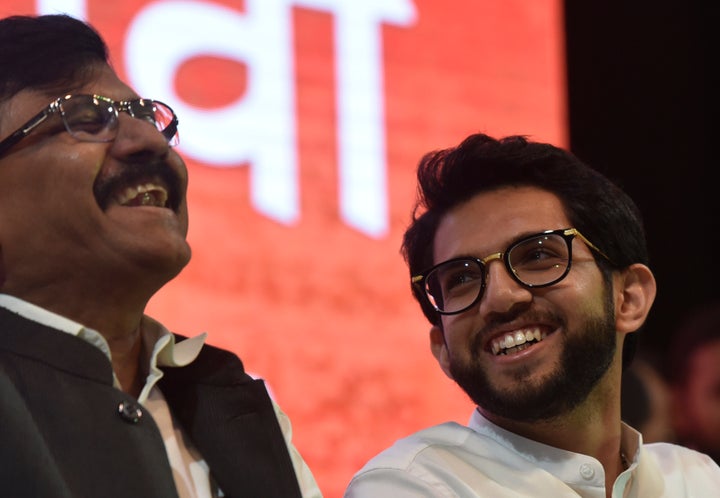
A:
(586, 297)
(458, 333)
(26, 205)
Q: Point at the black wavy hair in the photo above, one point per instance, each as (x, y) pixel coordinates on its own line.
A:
(50, 53)
(595, 205)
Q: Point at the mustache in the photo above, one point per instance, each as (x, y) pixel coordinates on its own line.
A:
(106, 186)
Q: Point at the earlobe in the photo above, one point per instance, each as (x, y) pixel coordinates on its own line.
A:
(636, 293)
(439, 349)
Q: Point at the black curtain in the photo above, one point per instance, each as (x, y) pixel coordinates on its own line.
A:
(642, 96)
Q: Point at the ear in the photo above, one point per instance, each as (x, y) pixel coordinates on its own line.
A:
(635, 292)
(439, 349)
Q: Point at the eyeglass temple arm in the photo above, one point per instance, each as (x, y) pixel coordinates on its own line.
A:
(34, 122)
(574, 231)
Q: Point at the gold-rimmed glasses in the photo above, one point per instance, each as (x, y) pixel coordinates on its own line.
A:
(537, 260)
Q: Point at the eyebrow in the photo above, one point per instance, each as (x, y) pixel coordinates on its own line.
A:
(505, 245)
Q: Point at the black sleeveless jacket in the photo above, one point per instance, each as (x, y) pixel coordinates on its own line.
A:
(65, 431)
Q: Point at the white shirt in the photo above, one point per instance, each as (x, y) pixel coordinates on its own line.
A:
(484, 460)
(190, 471)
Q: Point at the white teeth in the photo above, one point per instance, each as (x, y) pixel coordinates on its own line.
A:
(509, 341)
(517, 340)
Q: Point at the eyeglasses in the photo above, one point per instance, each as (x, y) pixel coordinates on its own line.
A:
(92, 118)
(538, 260)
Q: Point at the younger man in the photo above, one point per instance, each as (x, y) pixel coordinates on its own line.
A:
(532, 270)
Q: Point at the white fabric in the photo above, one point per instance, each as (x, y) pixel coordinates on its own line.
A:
(484, 460)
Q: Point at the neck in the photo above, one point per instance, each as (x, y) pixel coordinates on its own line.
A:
(116, 316)
(127, 357)
(593, 428)
(123, 333)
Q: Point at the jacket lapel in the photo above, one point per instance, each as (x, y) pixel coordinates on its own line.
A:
(230, 419)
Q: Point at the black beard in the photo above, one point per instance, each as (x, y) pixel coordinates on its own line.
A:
(585, 359)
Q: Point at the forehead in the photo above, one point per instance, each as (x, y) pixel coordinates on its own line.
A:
(489, 221)
(15, 111)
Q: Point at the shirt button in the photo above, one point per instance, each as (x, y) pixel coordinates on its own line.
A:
(129, 412)
(586, 471)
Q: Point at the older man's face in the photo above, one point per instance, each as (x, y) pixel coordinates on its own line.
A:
(97, 213)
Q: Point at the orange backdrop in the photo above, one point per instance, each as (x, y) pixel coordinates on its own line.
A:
(315, 304)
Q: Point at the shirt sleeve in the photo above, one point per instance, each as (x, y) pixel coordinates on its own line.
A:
(306, 480)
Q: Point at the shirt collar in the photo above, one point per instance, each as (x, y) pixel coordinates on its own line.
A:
(575, 469)
(159, 342)
(39, 315)
(163, 351)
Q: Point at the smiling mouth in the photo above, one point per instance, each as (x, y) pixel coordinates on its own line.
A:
(151, 185)
(147, 194)
(514, 342)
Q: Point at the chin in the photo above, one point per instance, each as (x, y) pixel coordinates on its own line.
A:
(181, 259)
(164, 265)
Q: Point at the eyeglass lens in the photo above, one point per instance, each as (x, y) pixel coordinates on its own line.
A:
(89, 118)
(536, 261)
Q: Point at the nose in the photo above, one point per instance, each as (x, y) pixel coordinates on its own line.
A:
(138, 138)
(502, 291)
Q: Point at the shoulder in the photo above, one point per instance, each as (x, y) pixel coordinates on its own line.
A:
(664, 452)
(219, 354)
(421, 463)
(209, 352)
(212, 364)
(404, 452)
(680, 463)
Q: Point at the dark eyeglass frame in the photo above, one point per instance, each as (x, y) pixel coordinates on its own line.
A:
(568, 234)
(131, 107)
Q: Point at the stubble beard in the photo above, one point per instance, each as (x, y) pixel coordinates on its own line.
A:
(585, 358)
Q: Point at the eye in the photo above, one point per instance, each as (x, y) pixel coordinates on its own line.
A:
(146, 114)
(144, 110)
(90, 119)
(539, 253)
(459, 275)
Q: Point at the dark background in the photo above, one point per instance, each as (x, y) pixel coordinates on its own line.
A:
(642, 99)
